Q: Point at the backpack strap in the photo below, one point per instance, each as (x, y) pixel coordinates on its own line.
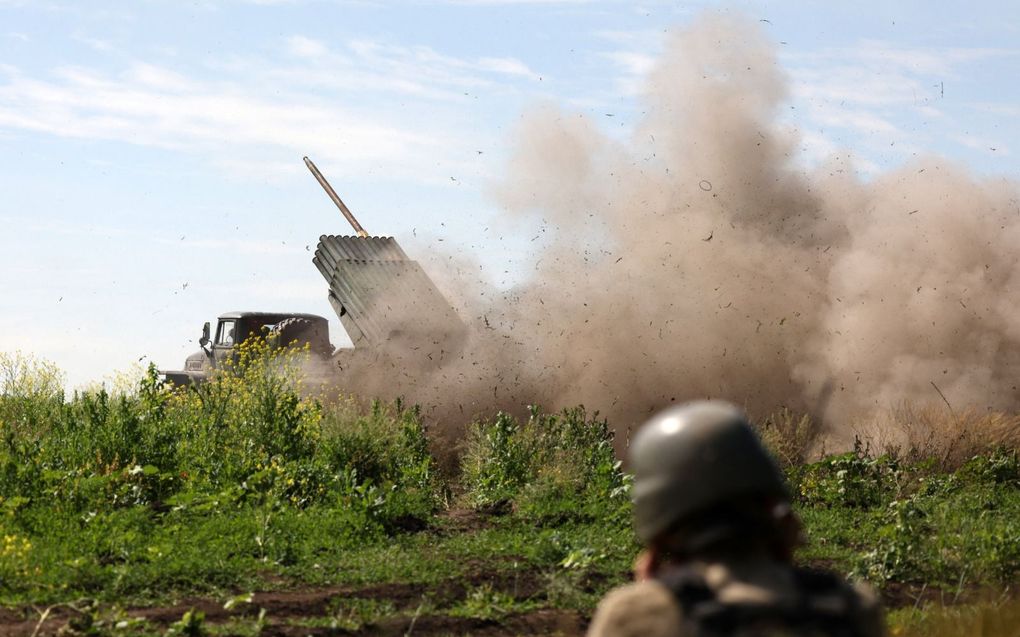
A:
(830, 600)
(827, 606)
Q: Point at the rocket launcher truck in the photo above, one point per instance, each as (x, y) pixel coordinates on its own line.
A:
(384, 300)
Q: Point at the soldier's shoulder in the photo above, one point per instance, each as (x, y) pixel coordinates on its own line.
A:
(871, 615)
(642, 608)
(866, 594)
(860, 602)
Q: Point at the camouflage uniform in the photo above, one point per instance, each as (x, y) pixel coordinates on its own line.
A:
(651, 609)
(686, 461)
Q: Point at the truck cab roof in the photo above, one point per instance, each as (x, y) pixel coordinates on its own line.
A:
(275, 317)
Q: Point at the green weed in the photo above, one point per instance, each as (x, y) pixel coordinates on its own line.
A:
(485, 602)
(246, 483)
(552, 468)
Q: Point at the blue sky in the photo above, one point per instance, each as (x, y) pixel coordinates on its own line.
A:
(150, 151)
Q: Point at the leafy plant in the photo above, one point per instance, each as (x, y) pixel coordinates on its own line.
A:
(902, 552)
(552, 468)
(853, 479)
(354, 613)
(191, 624)
(484, 602)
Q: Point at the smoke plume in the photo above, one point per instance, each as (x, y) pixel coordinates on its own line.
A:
(699, 258)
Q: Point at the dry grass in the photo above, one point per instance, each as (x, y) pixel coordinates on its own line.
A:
(791, 437)
(916, 433)
(999, 619)
(912, 433)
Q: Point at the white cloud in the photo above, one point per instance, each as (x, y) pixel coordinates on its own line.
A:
(930, 112)
(941, 61)
(160, 79)
(301, 46)
(512, 2)
(863, 121)
(506, 66)
(634, 55)
(346, 103)
(855, 84)
(877, 73)
(359, 69)
(632, 62)
(103, 46)
(426, 65)
(634, 68)
(868, 95)
(815, 147)
(985, 144)
(151, 106)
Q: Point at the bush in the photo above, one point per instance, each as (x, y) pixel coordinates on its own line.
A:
(1000, 466)
(102, 479)
(498, 461)
(902, 552)
(247, 431)
(853, 479)
(29, 388)
(551, 468)
(133, 494)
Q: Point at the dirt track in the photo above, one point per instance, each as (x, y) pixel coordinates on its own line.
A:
(285, 608)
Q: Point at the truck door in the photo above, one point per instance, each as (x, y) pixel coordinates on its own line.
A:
(226, 333)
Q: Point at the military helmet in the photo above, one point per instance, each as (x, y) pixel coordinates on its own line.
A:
(692, 457)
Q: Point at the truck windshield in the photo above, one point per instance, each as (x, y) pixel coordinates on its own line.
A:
(225, 333)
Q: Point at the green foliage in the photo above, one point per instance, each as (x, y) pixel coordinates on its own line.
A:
(245, 483)
(386, 450)
(552, 468)
(573, 559)
(103, 491)
(893, 522)
(191, 624)
(485, 602)
(498, 463)
(852, 480)
(354, 613)
(1001, 466)
(900, 553)
(31, 391)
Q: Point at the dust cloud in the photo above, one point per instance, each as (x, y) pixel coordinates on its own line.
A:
(699, 258)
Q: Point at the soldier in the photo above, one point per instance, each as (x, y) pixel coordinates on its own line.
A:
(712, 509)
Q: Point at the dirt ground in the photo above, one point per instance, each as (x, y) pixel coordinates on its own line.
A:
(287, 610)
(284, 609)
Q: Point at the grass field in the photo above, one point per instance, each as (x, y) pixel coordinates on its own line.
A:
(245, 508)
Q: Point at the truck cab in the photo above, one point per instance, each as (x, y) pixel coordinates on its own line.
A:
(234, 328)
